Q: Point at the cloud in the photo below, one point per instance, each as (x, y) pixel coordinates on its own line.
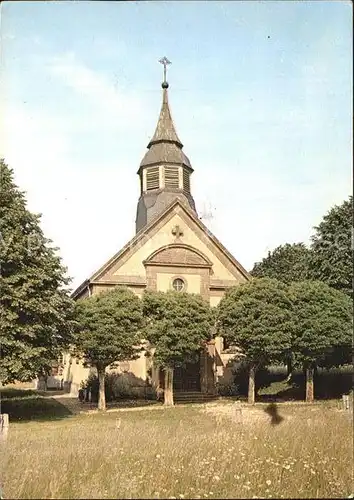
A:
(81, 200)
(102, 93)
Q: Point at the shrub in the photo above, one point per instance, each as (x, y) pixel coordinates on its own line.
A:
(230, 389)
(117, 386)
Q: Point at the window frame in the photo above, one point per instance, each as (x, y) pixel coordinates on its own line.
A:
(180, 278)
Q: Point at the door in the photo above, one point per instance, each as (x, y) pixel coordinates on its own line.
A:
(187, 378)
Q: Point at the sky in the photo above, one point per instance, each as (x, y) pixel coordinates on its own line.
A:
(260, 94)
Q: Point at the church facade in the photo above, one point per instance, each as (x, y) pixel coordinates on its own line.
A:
(171, 250)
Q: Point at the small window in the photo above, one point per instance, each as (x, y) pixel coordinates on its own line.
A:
(186, 181)
(178, 284)
(171, 177)
(152, 178)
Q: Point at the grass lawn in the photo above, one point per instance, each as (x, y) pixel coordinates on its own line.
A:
(182, 452)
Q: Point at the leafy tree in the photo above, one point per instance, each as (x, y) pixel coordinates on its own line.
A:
(256, 316)
(36, 311)
(287, 263)
(177, 325)
(322, 327)
(332, 252)
(109, 330)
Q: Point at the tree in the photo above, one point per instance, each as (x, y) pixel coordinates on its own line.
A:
(109, 330)
(36, 310)
(256, 316)
(287, 263)
(332, 252)
(322, 327)
(177, 325)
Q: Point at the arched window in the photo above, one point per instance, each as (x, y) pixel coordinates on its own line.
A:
(178, 284)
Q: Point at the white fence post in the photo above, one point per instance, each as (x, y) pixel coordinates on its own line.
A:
(237, 412)
(4, 425)
(345, 399)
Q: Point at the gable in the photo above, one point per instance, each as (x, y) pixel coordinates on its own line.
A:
(157, 241)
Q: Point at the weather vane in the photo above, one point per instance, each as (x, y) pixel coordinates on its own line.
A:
(165, 63)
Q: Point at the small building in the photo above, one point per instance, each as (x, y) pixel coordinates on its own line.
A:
(171, 250)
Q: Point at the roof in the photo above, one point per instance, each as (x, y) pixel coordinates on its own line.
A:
(165, 129)
(165, 152)
(165, 145)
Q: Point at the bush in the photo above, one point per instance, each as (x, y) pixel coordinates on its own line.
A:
(227, 389)
(117, 386)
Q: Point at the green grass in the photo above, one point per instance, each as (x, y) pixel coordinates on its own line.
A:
(181, 452)
(17, 393)
(26, 405)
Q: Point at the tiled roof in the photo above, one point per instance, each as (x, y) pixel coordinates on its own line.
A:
(167, 152)
(165, 146)
(165, 129)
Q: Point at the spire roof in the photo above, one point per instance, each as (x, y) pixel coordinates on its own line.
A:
(165, 145)
(165, 129)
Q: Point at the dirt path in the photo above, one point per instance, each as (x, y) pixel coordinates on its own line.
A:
(76, 407)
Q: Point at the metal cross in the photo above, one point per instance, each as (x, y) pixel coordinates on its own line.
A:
(165, 62)
(177, 231)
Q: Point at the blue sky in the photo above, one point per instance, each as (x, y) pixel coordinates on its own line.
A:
(260, 93)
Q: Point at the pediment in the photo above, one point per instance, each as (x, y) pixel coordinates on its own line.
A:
(154, 246)
(179, 255)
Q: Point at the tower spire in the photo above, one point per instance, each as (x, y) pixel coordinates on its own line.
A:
(165, 129)
(165, 170)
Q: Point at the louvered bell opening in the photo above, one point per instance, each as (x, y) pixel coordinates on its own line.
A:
(186, 181)
(171, 177)
(152, 178)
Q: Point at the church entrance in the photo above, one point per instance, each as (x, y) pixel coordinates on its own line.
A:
(187, 378)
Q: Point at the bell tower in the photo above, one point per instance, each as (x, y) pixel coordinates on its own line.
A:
(165, 170)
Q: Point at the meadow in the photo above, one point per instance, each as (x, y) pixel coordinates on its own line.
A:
(195, 451)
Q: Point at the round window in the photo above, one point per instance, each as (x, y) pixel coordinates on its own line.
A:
(178, 284)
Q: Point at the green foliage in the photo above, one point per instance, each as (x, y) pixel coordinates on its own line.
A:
(118, 386)
(287, 263)
(177, 325)
(256, 316)
(241, 375)
(332, 252)
(36, 311)
(322, 326)
(109, 327)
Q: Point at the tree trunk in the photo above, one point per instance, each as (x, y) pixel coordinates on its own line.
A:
(168, 393)
(251, 386)
(309, 385)
(289, 365)
(101, 393)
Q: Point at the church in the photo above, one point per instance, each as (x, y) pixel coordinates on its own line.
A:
(171, 250)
